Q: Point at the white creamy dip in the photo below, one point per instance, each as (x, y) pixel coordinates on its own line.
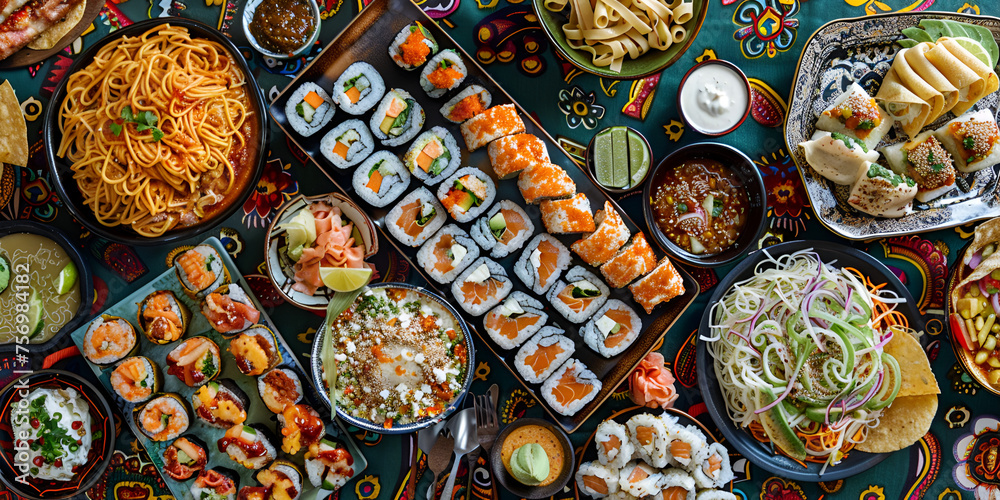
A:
(714, 98)
(62, 417)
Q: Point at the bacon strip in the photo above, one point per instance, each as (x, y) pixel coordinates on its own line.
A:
(21, 27)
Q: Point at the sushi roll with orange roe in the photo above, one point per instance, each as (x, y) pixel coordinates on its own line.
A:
(471, 101)
(634, 260)
(597, 480)
(492, 124)
(514, 153)
(444, 72)
(542, 262)
(568, 216)
(570, 388)
(543, 354)
(601, 245)
(660, 285)
(516, 319)
(545, 181)
(412, 46)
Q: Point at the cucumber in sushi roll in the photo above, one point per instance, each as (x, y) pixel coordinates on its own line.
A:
(579, 296)
(215, 484)
(248, 446)
(447, 253)
(433, 156)
(397, 118)
(279, 388)
(444, 72)
(380, 179)
(359, 88)
(471, 101)
(309, 109)
(503, 229)
(412, 46)
(415, 218)
(220, 404)
(347, 144)
(467, 193)
(329, 464)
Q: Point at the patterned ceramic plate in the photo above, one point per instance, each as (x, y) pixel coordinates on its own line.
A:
(861, 49)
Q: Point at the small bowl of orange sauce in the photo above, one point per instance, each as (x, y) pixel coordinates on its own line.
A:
(551, 438)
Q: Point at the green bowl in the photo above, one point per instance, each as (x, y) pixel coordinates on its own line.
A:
(647, 64)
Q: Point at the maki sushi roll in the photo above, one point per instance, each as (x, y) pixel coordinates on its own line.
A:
(712, 469)
(347, 144)
(214, 484)
(380, 179)
(301, 427)
(397, 118)
(247, 446)
(649, 438)
(229, 310)
(309, 109)
(660, 285)
(634, 260)
(279, 388)
(927, 162)
(491, 124)
(220, 404)
(715, 495)
(135, 379)
(686, 443)
(184, 457)
(415, 218)
(467, 194)
(108, 340)
(972, 139)
(545, 181)
(580, 296)
(613, 329)
(195, 362)
(570, 388)
(599, 246)
(675, 484)
(639, 479)
(163, 418)
(200, 271)
(280, 481)
(542, 262)
(255, 351)
(597, 480)
(568, 216)
(412, 46)
(471, 101)
(514, 153)
(359, 88)
(543, 354)
(515, 320)
(444, 72)
(504, 229)
(447, 253)
(163, 318)
(433, 156)
(614, 447)
(481, 286)
(329, 464)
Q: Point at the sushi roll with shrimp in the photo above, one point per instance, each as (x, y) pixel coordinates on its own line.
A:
(543, 354)
(220, 404)
(247, 446)
(398, 118)
(926, 161)
(492, 124)
(215, 484)
(200, 271)
(163, 418)
(162, 317)
(633, 260)
(612, 329)
(675, 484)
(309, 109)
(514, 153)
(712, 468)
(255, 351)
(433, 156)
(279, 388)
(229, 310)
(686, 443)
(471, 101)
(597, 480)
(660, 285)
(571, 215)
(184, 457)
(108, 340)
(639, 479)
(649, 438)
(329, 464)
(481, 286)
(467, 194)
(347, 144)
(542, 262)
(545, 181)
(195, 362)
(415, 218)
(136, 379)
(503, 229)
(301, 427)
(515, 320)
(614, 447)
(601, 245)
(358, 88)
(579, 296)
(280, 481)
(447, 253)
(380, 179)
(570, 388)
(445, 71)
(412, 46)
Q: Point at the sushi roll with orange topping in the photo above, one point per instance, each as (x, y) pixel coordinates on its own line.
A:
(579, 296)
(597, 480)
(200, 271)
(481, 286)
(542, 262)
(247, 446)
(282, 480)
(329, 464)
(196, 361)
(545, 181)
(543, 354)
(471, 101)
(447, 253)
(614, 448)
(612, 329)
(660, 285)
(639, 479)
(415, 218)
(220, 404)
(229, 310)
(163, 418)
(514, 153)
(504, 229)
(570, 388)
(516, 319)
(279, 388)
(712, 469)
(108, 340)
(599, 246)
(301, 427)
(568, 216)
(412, 46)
(634, 260)
(467, 194)
(163, 318)
(649, 438)
(444, 72)
(255, 351)
(136, 379)
(490, 125)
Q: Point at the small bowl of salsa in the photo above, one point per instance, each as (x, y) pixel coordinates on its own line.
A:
(705, 204)
(282, 29)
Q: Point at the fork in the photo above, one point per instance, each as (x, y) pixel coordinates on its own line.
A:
(488, 426)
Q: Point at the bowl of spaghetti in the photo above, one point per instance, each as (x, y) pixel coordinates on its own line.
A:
(158, 133)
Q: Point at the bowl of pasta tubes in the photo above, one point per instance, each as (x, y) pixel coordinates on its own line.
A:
(644, 39)
(157, 133)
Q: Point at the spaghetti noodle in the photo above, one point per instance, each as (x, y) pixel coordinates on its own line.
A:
(157, 128)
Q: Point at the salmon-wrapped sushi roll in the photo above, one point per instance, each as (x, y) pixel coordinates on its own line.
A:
(163, 418)
(570, 388)
(634, 260)
(301, 427)
(614, 448)
(184, 457)
(543, 354)
(415, 218)
(579, 296)
(660, 285)
(481, 286)
(229, 310)
(516, 319)
(677, 485)
(136, 379)
(491, 124)
(196, 361)
(545, 181)
(568, 216)
(255, 351)
(220, 404)
(542, 262)
(162, 317)
(504, 229)
(447, 253)
(639, 479)
(599, 246)
(597, 480)
(514, 153)
(650, 438)
(613, 328)
(279, 388)
(108, 340)
(200, 271)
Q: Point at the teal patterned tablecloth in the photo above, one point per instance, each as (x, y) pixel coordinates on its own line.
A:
(763, 37)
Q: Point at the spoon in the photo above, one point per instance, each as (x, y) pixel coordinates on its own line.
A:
(463, 428)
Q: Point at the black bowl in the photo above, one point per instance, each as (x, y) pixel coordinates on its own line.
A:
(512, 485)
(62, 174)
(84, 276)
(101, 448)
(752, 181)
(758, 453)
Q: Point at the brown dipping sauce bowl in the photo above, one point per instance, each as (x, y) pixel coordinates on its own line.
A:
(309, 41)
(500, 474)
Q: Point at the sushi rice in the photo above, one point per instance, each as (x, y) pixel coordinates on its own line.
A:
(202, 264)
(614, 447)
(396, 51)
(649, 438)
(358, 88)
(163, 418)
(467, 193)
(447, 253)
(278, 388)
(571, 387)
(397, 118)
(515, 320)
(676, 478)
(347, 144)
(612, 329)
(482, 99)
(529, 267)
(418, 205)
(547, 350)
(597, 480)
(501, 242)
(579, 296)
(715, 495)
(302, 111)
(481, 286)
(639, 479)
(433, 156)
(108, 340)
(392, 179)
(712, 468)
(445, 71)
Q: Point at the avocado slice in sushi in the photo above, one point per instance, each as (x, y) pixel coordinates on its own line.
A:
(498, 225)
(584, 289)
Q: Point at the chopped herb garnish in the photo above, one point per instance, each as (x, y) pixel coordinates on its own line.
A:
(969, 143)
(937, 167)
(866, 125)
(143, 121)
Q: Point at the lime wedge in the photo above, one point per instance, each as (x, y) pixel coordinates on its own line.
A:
(341, 279)
(4, 273)
(36, 313)
(66, 279)
(976, 49)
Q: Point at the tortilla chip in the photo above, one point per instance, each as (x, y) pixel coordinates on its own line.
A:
(986, 233)
(907, 420)
(14, 147)
(917, 377)
(50, 37)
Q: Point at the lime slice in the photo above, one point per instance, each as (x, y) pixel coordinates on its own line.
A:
(976, 49)
(341, 279)
(66, 279)
(4, 273)
(36, 313)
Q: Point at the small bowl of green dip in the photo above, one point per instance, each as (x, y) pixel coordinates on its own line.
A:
(282, 29)
(619, 158)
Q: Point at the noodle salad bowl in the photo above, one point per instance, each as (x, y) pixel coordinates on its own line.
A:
(750, 393)
(216, 194)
